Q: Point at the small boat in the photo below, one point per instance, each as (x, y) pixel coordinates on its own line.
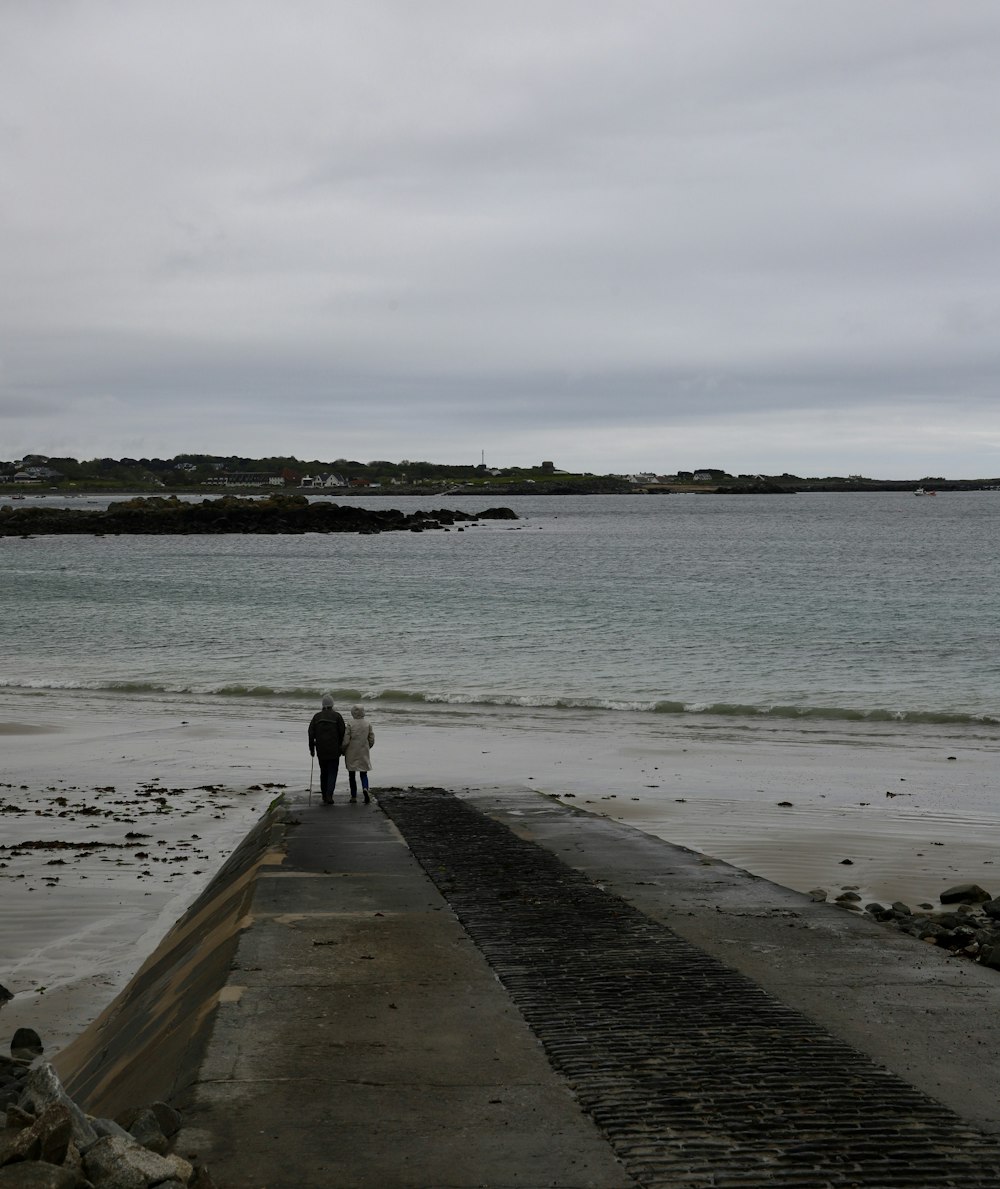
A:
(924, 491)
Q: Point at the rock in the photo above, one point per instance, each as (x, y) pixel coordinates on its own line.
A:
(183, 1171)
(5, 995)
(124, 1164)
(53, 1130)
(75, 1161)
(18, 1118)
(9, 1146)
(969, 893)
(145, 1129)
(848, 897)
(957, 939)
(104, 1127)
(35, 1174)
(279, 513)
(950, 920)
(26, 1044)
(969, 930)
(169, 1119)
(45, 1133)
(818, 894)
(43, 1089)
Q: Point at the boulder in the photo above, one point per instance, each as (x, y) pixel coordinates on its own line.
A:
(965, 893)
(168, 1119)
(36, 1174)
(43, 1089)
(145, 1129)
(165, 1117)
(103, 1127)
(949, 920)
(54, 1130)
(26, 1045)
(127, 1165)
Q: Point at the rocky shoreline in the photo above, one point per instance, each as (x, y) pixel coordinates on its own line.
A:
(49, 1142)
(967, 923)
(159, 515)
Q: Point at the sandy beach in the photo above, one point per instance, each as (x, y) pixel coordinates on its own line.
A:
(115, 812)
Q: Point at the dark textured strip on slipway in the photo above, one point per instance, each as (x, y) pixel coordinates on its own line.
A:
(699, 1079)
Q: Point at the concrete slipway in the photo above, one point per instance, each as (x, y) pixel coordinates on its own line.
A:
(322, 1018)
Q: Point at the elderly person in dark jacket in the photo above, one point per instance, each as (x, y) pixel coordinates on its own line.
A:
(358, 738)
(326, 740)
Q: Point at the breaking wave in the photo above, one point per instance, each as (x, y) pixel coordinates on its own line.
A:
(666, 706)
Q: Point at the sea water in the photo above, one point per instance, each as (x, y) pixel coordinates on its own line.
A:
(823, 607)
(778, 682)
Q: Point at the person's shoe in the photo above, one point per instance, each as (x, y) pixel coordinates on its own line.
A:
(327, 800)
(354, 796)
(368, 799)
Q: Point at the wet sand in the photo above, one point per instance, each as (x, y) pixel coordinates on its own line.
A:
(191, 776)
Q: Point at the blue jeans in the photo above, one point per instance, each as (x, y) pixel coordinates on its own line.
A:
(354, 784)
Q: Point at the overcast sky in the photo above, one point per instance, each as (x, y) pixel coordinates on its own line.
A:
(762, 235)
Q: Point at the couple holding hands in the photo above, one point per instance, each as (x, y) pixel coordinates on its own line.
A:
(330, 737)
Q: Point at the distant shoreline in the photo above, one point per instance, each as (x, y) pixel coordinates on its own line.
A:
(765, 487)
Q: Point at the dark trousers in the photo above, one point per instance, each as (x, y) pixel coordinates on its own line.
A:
(328, 768)
(354, 784)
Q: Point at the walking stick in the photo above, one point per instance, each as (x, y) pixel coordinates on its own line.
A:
(312, 762)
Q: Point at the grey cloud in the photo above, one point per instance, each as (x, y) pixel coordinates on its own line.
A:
(528, 223)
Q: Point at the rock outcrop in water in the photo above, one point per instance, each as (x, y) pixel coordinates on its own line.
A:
(279, 514)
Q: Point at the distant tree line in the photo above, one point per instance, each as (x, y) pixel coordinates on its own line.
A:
(195, 472)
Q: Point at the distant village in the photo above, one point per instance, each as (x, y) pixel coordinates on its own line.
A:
(203, 472)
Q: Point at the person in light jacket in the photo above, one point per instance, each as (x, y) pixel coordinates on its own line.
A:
(358, 738)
